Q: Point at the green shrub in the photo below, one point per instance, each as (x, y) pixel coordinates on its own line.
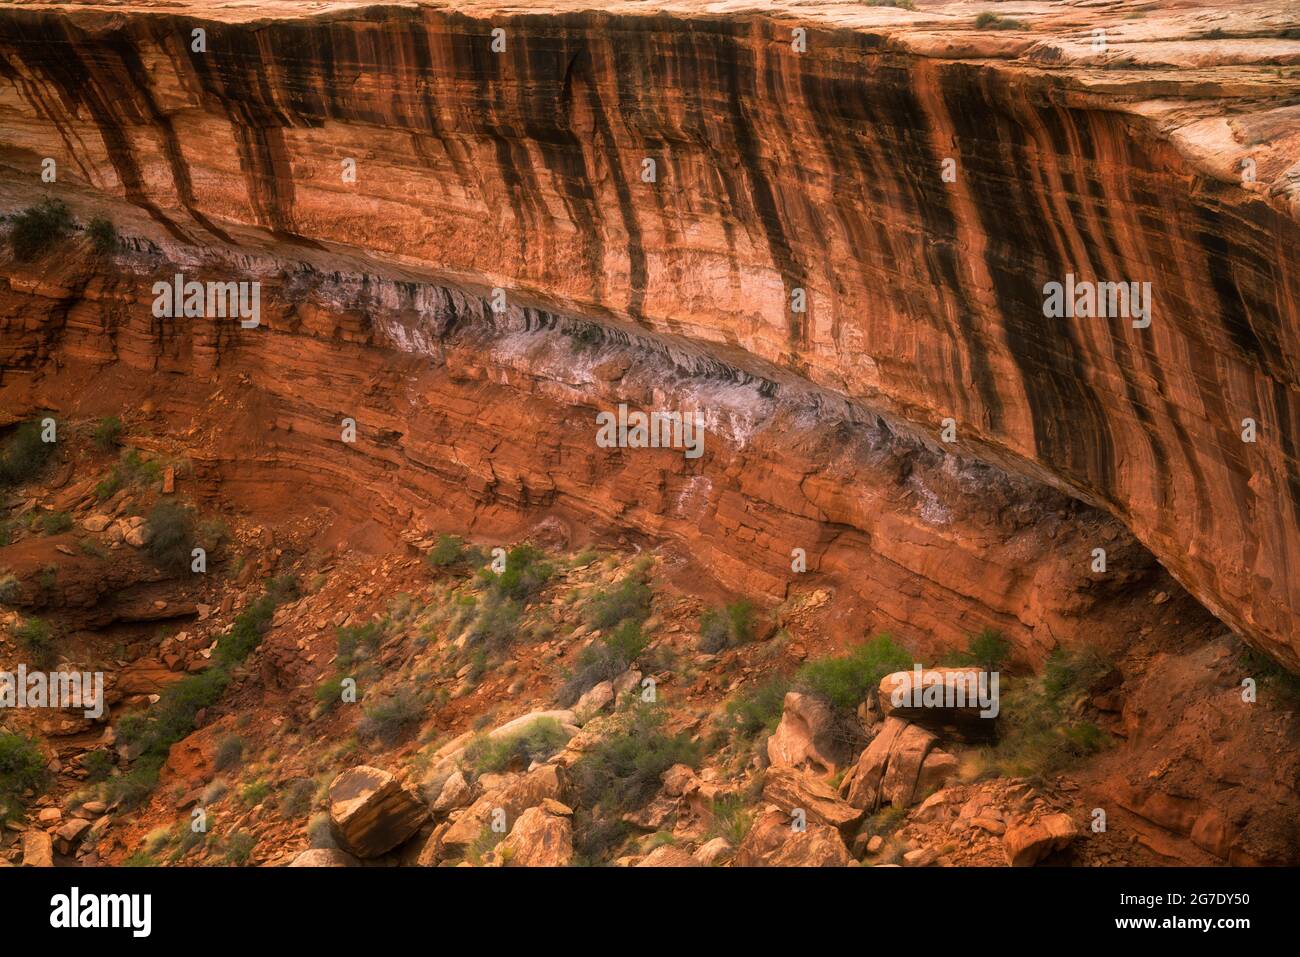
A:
(604, 660)
(108, 433)
(238, 848)
(497, 625)
(39, 227)
(629, 600)
(525, 575)
(103, 234)
(988, 650)
(171, 535)
(620, 774)
(390, 717)
(846, 681)
(451, 550)
(24, 455)
(55, 523)
(1040, 733)
(330, 692)
(255, 793)
(731, 819)
(22, 768)
(352, 638)
(230, 751)
(536, 742)
(991, 21)
(726, 627)
(98, 766)
(759, 709)
(37, 639)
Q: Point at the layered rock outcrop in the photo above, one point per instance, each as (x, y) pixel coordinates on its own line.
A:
(780, 174)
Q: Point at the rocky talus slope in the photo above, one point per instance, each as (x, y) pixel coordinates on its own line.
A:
(826, 228)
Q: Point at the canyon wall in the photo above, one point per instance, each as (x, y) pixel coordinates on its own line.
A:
(776, 174)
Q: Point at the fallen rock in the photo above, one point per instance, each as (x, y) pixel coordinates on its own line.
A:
(790, 790)
(371, 812)
(69, 835)
(593, 702)
(515, 795)
(538, 839)
(1027, 843)
(772, 842)
(713, 852)
(38, 849)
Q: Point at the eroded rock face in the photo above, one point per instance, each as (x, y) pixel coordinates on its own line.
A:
(778, 171)
(371, 812)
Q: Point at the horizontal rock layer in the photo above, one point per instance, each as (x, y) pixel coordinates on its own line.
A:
(778, 171)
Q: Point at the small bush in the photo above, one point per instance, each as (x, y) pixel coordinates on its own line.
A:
(525, 575)
(108, 433)
(24, 455)
(239, 847)
(299, 799)
(630, 600)
(98, 766)
(759, 709)
(390, 717)
(726, 627)
(22, 768)
(731, 819)
(451, 551)
(991, 21)
(845, 682)
(39, 227)
(604, 660)
(498, 624)
(171, 535)
(55, 523)
(354, 638)
(230, 752)
(37, 639)
(988, 651)
(255, 793)
(103, 234)
(537, 742)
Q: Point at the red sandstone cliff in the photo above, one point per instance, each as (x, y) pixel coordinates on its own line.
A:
(776, 171)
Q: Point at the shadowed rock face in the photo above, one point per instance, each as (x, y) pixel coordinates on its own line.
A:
(778, 172)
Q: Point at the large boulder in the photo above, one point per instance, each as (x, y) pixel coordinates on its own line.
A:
(792, 790)
(371, 812)
(1028, 842)
(890, 769)
(944, 700)
(804, 738)
(773, 842)
(542, 837)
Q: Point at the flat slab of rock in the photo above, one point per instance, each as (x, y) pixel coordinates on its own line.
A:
(371, 812)
(38, 849)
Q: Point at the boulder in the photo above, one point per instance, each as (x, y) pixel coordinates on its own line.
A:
(371, 812)
(70, 834)
(898, 787)
(789, 790)
(324, 857)
(772, 842)
(804, 738)
(593, 702)
(1028, 842)
(540, 838)
(38, 849)
(941, 699)
(714, 851)
(939, 766)
(889, 770)
(456, 792)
